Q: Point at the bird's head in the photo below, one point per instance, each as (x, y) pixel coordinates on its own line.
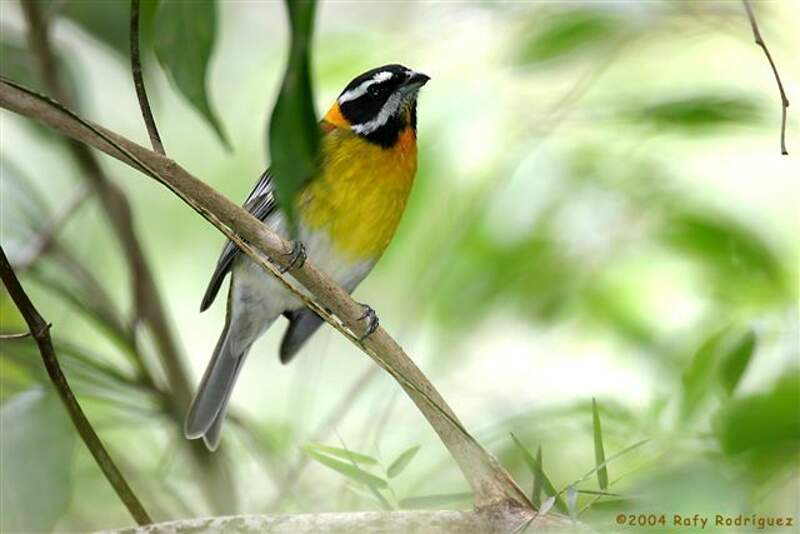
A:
(379, 104)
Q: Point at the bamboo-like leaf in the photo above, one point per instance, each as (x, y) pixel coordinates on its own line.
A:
(697, 375)
(699, 112)
(610, 459)
(538, 472)
(293, 137)
(599, 453)
(184, 40)
(547, 504)
(572, 500)
(37, 443)
(350, 471)
(568, 32)
(599, 493)
(342, 453)
(536, 493)
(402, 461)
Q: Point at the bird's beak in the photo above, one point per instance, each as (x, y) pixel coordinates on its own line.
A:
(416, 80)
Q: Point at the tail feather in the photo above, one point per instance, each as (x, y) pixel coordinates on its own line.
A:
(213, 433)
(214, 392)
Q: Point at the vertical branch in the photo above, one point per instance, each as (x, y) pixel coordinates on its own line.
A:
(138, 81)
(40, 330)
(760, 42)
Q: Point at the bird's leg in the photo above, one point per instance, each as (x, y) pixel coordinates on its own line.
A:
(372, 321)
(297, 257)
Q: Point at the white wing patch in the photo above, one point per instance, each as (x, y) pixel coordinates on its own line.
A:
(361, 90)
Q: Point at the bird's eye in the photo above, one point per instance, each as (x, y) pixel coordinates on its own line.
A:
(373, 91)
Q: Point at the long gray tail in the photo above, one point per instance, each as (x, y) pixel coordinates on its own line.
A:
(207, 412)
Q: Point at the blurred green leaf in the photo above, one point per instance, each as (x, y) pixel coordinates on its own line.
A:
(24, 203)
(16, 375)
(293, 137)
(347, 469)
(734, 361)
(538, 471)
(599, 453)
(89, 305)
(342, 453)
(697, 487)
(184, 41)
(697, 376)
(402, 461)
(612, 304)
(36, 444)
(435, 501)
(567, 32)
(698, 112)
(765, 426)
(16, 63)
(107, 21)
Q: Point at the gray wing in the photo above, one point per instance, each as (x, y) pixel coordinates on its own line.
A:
(261, 203)
(302, 324)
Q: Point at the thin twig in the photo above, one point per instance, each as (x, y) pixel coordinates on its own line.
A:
(40, 330)
(43, 241)
(138, 82)
(760, 42)
(7, 337)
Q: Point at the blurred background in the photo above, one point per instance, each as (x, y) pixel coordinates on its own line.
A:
(601, 211)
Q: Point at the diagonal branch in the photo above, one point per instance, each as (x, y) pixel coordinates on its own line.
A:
(784, 99)
(138, 82)
(491, 484)
(40, 330)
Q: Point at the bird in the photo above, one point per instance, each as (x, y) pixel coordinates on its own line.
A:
(347, 213)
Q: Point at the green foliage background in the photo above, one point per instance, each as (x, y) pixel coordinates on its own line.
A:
(600, 212)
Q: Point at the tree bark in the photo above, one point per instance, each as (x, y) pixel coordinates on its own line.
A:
(502, 521)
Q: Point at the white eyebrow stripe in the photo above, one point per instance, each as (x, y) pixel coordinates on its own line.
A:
(361, 90)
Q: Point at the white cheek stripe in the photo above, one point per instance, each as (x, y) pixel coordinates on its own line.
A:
(389, 108)
(361, 90)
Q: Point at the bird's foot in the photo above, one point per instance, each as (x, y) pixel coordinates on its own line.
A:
(371, 317)
(297, 257)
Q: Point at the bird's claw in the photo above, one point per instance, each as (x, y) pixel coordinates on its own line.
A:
(297, 257)
(372, 321)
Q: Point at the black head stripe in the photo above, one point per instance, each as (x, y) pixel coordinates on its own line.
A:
(398, 73)
(380, 103)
